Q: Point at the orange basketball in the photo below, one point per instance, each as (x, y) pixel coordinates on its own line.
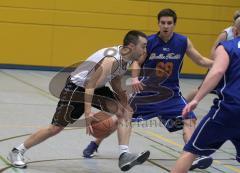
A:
(105, 126)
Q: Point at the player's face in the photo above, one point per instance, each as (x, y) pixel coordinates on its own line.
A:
(139, 49)
(166, 26)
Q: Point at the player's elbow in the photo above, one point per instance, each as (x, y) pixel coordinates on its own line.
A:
(205, 62)
(219, 73)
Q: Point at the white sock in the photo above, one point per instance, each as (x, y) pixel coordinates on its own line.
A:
(22, 148)
(123, 149)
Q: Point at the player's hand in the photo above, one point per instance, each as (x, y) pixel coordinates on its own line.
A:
(189, 107)
(137, 85)
(89, 118)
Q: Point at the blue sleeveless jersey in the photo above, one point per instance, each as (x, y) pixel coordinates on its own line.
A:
(229, 87)
(161, 96)
(165, 61)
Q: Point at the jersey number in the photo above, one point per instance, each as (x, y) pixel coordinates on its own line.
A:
(163, 69)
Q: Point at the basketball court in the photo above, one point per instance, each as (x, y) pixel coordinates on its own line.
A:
(26, 105)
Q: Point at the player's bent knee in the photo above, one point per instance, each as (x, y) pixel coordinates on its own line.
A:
(53, 130)
(189, 123)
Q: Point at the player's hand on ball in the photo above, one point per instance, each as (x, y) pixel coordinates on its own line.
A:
(89, 118)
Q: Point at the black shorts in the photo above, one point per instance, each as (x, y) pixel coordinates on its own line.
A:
(71, 104)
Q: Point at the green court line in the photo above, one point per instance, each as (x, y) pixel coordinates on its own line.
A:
(158, 165)
(13, 137)
(153, 134)
(164, 151)
(172, 150)
(11, 167)
(173, 156)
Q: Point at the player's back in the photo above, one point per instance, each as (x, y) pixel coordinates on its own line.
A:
(230, 85)
(84, 71)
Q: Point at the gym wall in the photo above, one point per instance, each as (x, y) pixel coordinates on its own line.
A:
(58, 33)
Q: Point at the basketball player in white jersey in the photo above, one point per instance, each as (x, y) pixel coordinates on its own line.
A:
(85, 88)
(226, 34)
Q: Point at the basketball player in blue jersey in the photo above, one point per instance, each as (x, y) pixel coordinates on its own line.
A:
(82, 90)
(158, 90)
(223, 117)
(226, 34)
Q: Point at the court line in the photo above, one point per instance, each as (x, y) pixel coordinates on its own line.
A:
(68, 159)
(175, 157)
(158, 165)
(9, 165)
(153, 134)
(166, 146)
(27, 134)
(41, 91)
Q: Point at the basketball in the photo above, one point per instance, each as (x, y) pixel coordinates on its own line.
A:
(104, 126)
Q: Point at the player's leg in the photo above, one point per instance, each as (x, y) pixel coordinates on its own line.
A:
(188, 128)
(108, 102)
(201, 162)
(184, 163)
(173, 121)
(66, 112)
(92, 147)
(104, 99)
(16, 156)
(124, 116)
(203, 143)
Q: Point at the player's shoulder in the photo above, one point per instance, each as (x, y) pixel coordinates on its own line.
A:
(228, 29)
(108, 51)
(152, 37)
(180, 36)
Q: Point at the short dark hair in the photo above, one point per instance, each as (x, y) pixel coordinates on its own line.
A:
(132, 37)
(167, 12)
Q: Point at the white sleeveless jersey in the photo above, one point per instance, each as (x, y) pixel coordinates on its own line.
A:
(83, 71)
(229, 32)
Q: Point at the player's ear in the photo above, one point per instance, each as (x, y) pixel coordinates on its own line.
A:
(131, 45)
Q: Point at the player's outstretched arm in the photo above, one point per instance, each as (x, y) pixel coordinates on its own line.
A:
(97, 76)
(117, 87)
(213, 77)
(197, 57)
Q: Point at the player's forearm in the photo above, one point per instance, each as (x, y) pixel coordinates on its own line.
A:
(205, 62)
(202, 61)
(210, 82)
(136, 67)
(88, 96)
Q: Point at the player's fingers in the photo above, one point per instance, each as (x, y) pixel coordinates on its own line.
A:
(185, 111)
(90, 130)
(135, 88)
(140, 86)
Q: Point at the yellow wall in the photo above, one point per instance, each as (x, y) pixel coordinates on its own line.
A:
(62, 32)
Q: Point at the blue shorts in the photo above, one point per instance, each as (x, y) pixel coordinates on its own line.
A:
(211, 134)
(169, 111)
